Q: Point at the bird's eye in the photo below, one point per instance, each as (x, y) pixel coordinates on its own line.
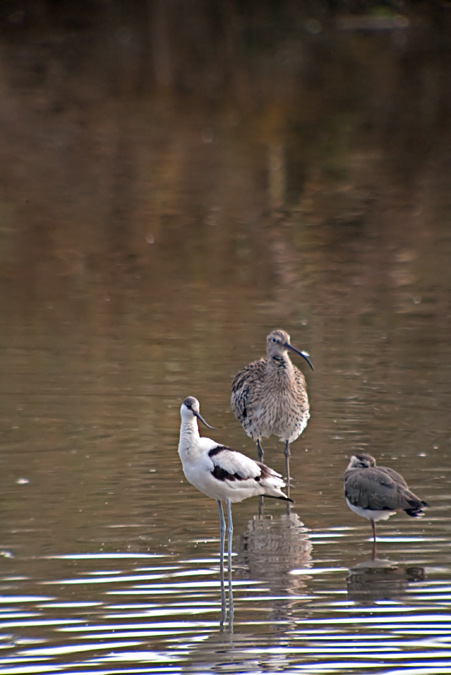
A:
(274, 340)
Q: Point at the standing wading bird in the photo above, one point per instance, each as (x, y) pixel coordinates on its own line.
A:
(222, 474)
(378, 492)
(269, 396)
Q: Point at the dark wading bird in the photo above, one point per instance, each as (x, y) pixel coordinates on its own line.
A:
(378, 492)
(223, 474)
(269, 396)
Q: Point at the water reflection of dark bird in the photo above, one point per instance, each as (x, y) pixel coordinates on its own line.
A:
(269, 396)
(222, 474)
(374, 580)
(378, 492)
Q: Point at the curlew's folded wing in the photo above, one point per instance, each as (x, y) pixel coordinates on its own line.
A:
(246, 388)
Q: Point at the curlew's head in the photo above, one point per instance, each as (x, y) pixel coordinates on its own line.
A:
(361, 462)
(278, 344)
(191, 408)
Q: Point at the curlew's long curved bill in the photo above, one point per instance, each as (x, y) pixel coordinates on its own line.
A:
(303, 354)
(199, 417)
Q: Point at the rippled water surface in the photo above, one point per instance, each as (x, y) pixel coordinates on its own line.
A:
(148, 244)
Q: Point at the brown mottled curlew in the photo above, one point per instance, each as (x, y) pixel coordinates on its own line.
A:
(269, 396)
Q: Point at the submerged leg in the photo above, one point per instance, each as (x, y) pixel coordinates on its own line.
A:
(221, 560)
(229, 555)
(260, 450)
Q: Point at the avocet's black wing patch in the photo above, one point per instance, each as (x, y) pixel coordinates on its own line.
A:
(229, 464)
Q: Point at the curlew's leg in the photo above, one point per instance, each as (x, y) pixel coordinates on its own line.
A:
(221, 560)
(287, 454)
(261, 501)
(229, 556)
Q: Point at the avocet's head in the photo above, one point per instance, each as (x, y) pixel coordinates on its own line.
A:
(361, 462)
(191, 408)
(278, 343)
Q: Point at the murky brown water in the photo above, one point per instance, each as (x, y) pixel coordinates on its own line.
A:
(148, 243)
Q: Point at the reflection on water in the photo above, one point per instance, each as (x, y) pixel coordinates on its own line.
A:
(153, 229)
(373, 580)
(161, 613)
(271, 547)
(235, 653)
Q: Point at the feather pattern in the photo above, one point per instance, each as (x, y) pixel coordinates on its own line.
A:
(269, 396)
(378, 489)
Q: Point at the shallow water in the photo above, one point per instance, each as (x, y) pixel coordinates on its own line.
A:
(110, 560)
(151, 256)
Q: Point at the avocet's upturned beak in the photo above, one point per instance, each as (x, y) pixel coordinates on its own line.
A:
(201, 419)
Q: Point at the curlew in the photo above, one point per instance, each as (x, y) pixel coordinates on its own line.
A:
(269, 396)
(221, 473)
(378, 492)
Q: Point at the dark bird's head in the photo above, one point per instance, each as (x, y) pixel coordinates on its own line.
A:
(278, 344)
(361, 462)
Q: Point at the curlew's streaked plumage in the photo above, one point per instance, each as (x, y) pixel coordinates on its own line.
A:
(222, 473)
(269, 396)
(378, 492)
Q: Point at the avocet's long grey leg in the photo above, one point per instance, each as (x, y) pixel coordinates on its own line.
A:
(229, 555)
(221, 560)
(260, 450)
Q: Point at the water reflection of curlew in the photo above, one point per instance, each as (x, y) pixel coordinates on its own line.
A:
(379, 579)
(270, 548)
(224, 652)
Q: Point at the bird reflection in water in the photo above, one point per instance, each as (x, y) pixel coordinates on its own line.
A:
(379, 579)
(223, 652)
(269, 550)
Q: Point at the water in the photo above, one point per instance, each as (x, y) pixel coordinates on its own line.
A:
(109, 560)
(145, 254)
